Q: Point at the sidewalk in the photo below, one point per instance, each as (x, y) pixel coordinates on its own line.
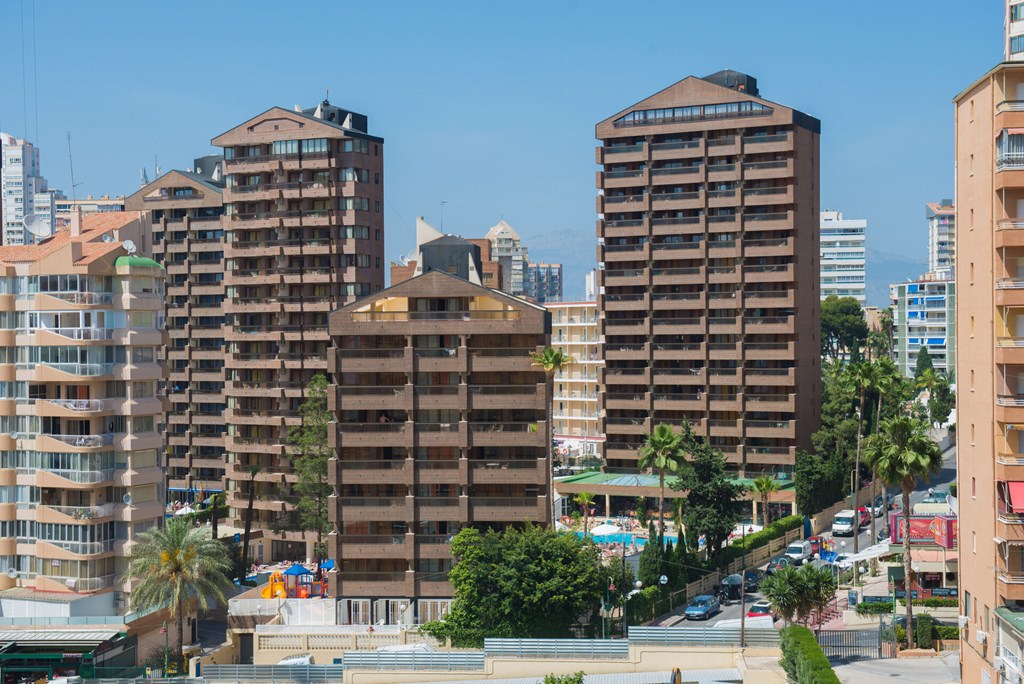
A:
(944, 669)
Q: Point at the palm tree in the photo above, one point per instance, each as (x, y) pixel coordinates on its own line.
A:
(902, 453)
(888, 326)
(819, 586)
(863, 376)
(662, 451)
(584, 499)
(886, 381)
(764, 486)
(928, 379)
(174, 565)
(783, 592)
(244, 572)
(552, 361)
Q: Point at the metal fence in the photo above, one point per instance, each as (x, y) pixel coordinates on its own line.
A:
(271, 673)
(558, 648)
(443, 661)
(846, 645)
(702, 636)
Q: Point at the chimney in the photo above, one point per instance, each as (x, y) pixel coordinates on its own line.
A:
(75, 226)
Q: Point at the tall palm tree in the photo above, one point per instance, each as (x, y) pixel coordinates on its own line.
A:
(584, 499)
(819, 586)
(887, 323)
(928, 379)
(244, 572)
(886, 380)
(902, 453)
(552, 361)
(764, 486)
(784, 592)
(863, 376)
(662, 451)
(176, 564)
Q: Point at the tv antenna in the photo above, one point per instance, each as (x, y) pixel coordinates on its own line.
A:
(443, 202)
(71, 165)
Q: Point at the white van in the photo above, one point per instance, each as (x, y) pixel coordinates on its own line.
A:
(845, 524)
(799, 551)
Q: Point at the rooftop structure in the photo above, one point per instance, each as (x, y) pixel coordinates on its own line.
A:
(508, 250)
(543, 282)
(941, 218)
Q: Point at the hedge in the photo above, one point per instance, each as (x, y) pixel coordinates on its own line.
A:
(874, 608)
(950, 632)
(923, 631)
(774, 530)
(803, 659)
(934, 602)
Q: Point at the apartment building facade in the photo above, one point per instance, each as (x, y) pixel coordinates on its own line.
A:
(186, 209)
(843, 266)
(941, 217)
(304, 235)
(80, 413)
(508, 250)
(441, 423)
(543, 282)
(990, 365)
(709, 272)
(23, 193)
(574, 411)
(924, 316)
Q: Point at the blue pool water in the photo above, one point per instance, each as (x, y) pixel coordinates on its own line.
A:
(627, 539)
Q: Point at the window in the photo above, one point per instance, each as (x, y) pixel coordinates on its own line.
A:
(358, 175)
(376, 206)
(357, 232)
(1016, 42)
(314, 145)
(355, 145)
(357, 260)
(376, 234)
(376, 179)
(354, 204)
(286, 147)
(1017, 12)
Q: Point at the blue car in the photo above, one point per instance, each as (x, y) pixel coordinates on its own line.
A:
(702, 608)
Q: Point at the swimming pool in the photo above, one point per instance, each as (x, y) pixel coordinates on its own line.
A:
(626, 538)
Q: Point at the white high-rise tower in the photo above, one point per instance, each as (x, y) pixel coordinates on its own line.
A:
(28, 204)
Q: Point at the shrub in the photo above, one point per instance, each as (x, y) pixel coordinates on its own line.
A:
(803, 659)
(774, 530)
(923, 631)
(949, 632)
(934, 602)
(874, 608)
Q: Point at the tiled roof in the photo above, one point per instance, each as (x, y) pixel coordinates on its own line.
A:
(106, 221)
(94, 226)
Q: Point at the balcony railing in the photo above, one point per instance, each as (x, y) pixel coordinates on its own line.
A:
(1014, 400)
(87, 298)
(478, 315)
(373, 427)
(380, 502)
(83, 512)
(1009, 283)
(616, 149)
(1010, 459)
(392, 539)
(82, 369)
(1009, 160)
(503, 427)
(1009, 342)
(82, 440)
(76, 476)
(82, 405)
(83, 548)
(1010, 224)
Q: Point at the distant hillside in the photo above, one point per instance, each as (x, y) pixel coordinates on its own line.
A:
(884, 269)
(576, 250)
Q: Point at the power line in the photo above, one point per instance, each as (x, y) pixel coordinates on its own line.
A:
(24, 85)
(35, 72)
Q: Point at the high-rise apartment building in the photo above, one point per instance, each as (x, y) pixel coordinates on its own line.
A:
(709, 250)
(25, 198)
(543, 282)
(65, 206)
(304, 235)
(590, 286)
(574, 412)
(81, 325)
(188, 239)
(843, 269)
(924, 316)
(441, 423)
(508, 250)
(990, 364)
(941, 218)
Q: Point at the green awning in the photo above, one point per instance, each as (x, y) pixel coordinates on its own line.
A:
(1014, 618)
(136, 261)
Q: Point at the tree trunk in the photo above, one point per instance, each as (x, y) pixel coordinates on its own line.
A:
(661, 509)
(765, 518)
(856, 478)
(907, 570)
(213, 524)
(181, 637)
(244, 572)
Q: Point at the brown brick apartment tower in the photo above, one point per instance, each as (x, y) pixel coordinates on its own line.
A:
(304, 235)
(708, 232)
(188, 239)
(441, 424)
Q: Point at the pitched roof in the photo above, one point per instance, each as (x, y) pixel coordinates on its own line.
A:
(94, 227)
(502, 228)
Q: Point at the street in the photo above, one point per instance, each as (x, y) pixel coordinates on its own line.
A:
(732, 612)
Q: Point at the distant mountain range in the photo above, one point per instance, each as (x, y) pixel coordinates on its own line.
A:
(884, 269)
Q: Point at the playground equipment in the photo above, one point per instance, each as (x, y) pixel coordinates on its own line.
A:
(275, 587)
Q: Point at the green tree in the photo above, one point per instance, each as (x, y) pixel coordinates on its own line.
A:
(584, 500)
(713, 503)
(552, 361)
(941, 402)
(175, 564)
(924, 363)
(662, 451)
(887, 324)
(819, 584)
(310, 452)
(820, 481)
(902, 453)
(764, 487)
(519, 583)
(843, 330)
(575, 678)
(784, 592)
(254, 470)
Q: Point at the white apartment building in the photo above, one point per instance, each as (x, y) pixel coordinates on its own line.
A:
(23, 192)
(575, 409)
(941, 235)
(508, 250)
(842, 256)
(924, 315)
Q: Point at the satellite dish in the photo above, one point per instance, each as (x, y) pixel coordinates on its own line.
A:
(36, 226)
(130, 247)
(108, 238)
(12, 573)
(127, 498)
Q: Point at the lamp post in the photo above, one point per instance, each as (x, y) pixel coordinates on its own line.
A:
(164, 630)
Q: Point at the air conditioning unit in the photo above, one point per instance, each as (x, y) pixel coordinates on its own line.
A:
(980, 637)
(999, 665)
(962, 620)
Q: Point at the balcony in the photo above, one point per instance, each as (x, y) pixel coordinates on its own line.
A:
(1011, 584)
(1009, 292)
(82, 441)
(1009, 233)
(47, 513)
(372, 508)
(373, 434)
(781, 429)
(383, 546)
(528, 434)
(507, 509)
(1009, 408)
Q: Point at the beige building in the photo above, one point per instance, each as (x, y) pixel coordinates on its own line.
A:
(990, 368)
(304, 235)
(708, 218)
(441, 423)
(188, 239)
(81, 325)
(574, 412)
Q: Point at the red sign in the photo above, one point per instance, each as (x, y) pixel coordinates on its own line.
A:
(924, 529)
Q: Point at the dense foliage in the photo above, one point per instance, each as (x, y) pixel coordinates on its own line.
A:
(519, 583)
(575, 678)
(843, 329)
(798, 593)
(803, 659)
(662, 452)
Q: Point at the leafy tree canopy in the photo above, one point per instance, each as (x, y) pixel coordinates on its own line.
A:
(843, 328)
(924, 363)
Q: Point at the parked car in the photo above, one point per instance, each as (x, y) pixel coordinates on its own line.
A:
(778, 563)
(799, 551)
(753, 579)
(702, 607)
(760, 609)
(933, 504)
(865, 516)
(731, 589)
(844, 525)
(881, 505)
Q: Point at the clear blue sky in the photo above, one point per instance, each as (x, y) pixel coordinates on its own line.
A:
(491, 106)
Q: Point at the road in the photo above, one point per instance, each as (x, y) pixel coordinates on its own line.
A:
(732, 612)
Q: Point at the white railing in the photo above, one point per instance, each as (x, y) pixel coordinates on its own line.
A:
(83, 440)
(78, 404)
(1009, 283)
